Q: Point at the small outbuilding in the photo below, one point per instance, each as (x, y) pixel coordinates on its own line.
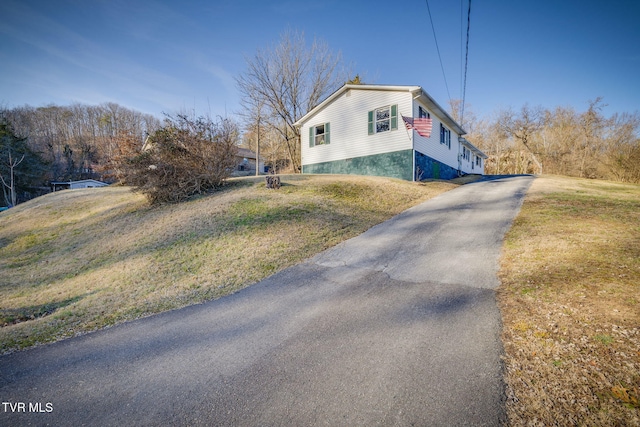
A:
(394, 131)
(247, 161)
(71, 185)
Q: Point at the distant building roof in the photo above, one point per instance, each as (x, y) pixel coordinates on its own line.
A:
(246, 153)
(83, 183)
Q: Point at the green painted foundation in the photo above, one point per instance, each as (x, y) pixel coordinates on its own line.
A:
(398, 164)
(427, 168)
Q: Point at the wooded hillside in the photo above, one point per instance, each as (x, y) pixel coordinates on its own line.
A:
(559, 141)
(78, 141)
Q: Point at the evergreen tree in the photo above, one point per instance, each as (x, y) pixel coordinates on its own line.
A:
(20, 167)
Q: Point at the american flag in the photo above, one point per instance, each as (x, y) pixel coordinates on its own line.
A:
(421, 125)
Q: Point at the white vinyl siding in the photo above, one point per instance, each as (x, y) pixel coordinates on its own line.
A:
(351, 114)
(431, 146)
(470, 162)
(348, 115)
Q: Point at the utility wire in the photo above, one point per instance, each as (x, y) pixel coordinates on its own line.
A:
(438, 49)
(461, 49)
(461, 46)
(466, 63)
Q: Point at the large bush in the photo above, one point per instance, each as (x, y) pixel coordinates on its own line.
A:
(183, 158)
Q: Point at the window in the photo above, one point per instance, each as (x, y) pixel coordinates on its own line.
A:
(478, 161)
(423, 114)
(383, 119)
(445, 136)
(319, 134)
(466, 154)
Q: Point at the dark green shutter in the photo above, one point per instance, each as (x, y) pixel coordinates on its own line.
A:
(311, 136)
(394, 117)
(371, 123)
(326, 133)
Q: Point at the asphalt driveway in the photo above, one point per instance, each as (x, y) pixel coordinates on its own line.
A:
(398, 326)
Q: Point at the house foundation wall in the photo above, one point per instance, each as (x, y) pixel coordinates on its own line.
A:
(428, 168)
(397, 164)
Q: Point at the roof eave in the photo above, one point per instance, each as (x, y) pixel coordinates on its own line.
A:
(348, 86)
(472, 147)
(438, 110)
(424, 96)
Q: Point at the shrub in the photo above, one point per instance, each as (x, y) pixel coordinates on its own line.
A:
(184, 158)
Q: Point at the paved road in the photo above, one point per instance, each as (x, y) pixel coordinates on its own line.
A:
(397, 326)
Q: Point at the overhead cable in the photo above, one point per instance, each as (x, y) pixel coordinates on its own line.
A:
(466, 63)
(438, 49)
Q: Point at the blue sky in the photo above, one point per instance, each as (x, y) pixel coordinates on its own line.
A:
(159, 56)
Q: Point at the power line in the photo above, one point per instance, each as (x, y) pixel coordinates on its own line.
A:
(461, 48)
(466, 63)
(438, 49)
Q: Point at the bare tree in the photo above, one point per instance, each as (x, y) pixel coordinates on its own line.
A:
(584, 144)
(79, 141)
(287, 81)
(20, 167)
(623, 148)
(523, 126)
(592, 125)
(11, 162)
(559, 139)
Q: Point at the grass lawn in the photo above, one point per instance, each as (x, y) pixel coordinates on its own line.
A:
(76, 261)
(570, 298)
(80, 260)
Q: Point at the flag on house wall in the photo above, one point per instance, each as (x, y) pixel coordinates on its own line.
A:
(421, 125)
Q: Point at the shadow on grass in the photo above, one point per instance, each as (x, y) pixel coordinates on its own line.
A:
(11, 316)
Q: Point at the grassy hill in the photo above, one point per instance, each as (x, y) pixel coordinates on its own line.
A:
(75, 261)
(79, 260)
(570, 300)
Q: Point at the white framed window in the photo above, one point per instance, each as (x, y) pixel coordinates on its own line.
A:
(423, 114)
(445, 136)
(383, 119)
(319, 134)
(479, 161)
(466, 154)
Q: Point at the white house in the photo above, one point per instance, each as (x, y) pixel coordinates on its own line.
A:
(363, 130)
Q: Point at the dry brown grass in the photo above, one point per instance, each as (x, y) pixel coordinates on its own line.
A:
(79, 260)
(570, 298)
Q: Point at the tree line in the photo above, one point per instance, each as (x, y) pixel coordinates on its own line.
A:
(77, 141)
(284, 82)
(67, 142)
(167, 161)
(280, 85)
(560, 141)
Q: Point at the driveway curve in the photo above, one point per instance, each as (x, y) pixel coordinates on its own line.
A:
(398, 326)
